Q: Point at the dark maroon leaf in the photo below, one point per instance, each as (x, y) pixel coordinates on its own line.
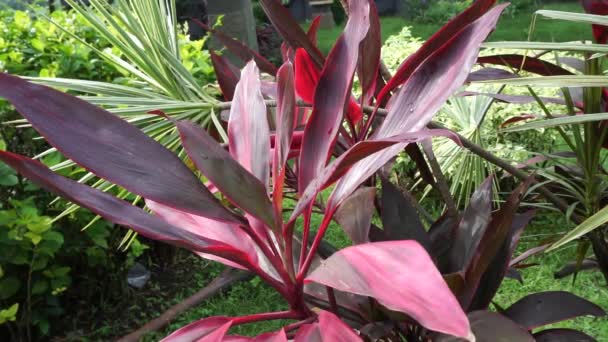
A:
(490, 326)
(426, 90)
(227, 75)
(232, 179)
(531, 64)
(562, 335)
(413, 151)
(111, 148)
(437, 41)
(313, 29)
(242, 51)
(331, 94)
(369, 56)
(355, 214)
(441, 234)
(544, 308)
(472, 227)
(290, 30)
(496, 233)
(119, 211)
(399, 217)
(487, 74)
(513, 273)
(572, 267)
(417, 289)
(497, 271)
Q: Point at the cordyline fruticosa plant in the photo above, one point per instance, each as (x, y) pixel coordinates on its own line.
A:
(389, 284)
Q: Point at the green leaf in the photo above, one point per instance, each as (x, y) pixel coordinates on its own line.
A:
(8, 287)
(566, 120)
(40, 262)
(1, 272)
(35, 238)
(569, 46)
(8, 177)
(554, 81)
(589, 225)
(576, 17)
(37, 44)
(10, 314)
(40, 224)
(40, 286)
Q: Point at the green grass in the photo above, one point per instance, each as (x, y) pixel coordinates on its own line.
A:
(509, 28)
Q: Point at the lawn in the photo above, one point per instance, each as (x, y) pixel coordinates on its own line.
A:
(509, 28)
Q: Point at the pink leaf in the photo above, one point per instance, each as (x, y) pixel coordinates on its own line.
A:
(402, 277)
(209, 330)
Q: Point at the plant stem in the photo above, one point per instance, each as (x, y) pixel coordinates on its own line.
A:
(442, 184)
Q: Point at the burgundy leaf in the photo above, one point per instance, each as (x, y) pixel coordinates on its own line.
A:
(472, 227)
(290, 30)
(369, 56)
(597, 7)
(233, 180)
(355, 215)
(517, 118)
(437, 41)
(526, 63)
(497, 271)
(209, 327)
(413, 151)
(402, 277)
(544, 308)
(111, 148)
(356, 153)
(490, 326)
(574, 267)
(285, 123)
(562, 335)
(226, 73)
(421, 96)
(493, 237)
(399, 217)
(487, 74)
(331, 94)
(118, 211)
(240, 50)
(229, 234)
(313, 29)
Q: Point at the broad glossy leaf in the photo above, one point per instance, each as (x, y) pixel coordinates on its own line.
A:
(227, 75)
(562, 335)
(233, 180)
(110, 207)
(289, 29)
(417, 288)
(435, 43)
(498, 269)
(400, 219)
(198, 330)
(421, 96)
(544, 308)
(491, 241)
(111, 148)
(526, 63)
(490, 326)
(369, 55)
(355, 214)
(331, 94)
(472, 227)
(231, 235)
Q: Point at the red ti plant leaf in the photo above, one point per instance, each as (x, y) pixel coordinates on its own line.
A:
(490, 326)
(329, 329)
(402, 277)
(285, 123)
(226, 73)
(242, 51)
(290, 30)
(544, 308)
(436, 42)
(420, 98)
(199, 330)
(369, 56)
(112, 148)
(278, 336)
(332, 92)
(355, 215)
(313, 29)
(597, 7)
(562, 335)
(118, 211)
(233, 180)
(490, 74)
(526, 63)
